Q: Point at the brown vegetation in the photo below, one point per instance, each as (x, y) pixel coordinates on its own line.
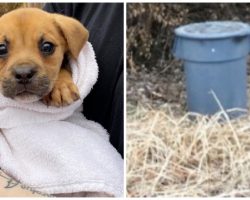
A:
(169, 153)
(150, 27)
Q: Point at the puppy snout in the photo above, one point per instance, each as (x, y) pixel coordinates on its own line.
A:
(24, 74)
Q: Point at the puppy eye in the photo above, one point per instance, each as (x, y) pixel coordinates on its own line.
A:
(47, 48)
(3, 50)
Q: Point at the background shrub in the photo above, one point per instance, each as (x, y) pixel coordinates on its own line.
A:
(150, 27)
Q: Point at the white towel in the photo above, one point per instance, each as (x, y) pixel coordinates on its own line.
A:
(57, 150)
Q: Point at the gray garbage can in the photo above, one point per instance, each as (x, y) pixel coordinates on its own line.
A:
(214, 55)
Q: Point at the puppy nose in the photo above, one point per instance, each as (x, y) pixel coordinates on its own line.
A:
(24, 74)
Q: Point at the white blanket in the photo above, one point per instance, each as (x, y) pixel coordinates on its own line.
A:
(57, 150)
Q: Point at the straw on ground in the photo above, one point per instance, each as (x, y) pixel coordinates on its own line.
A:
(170, 155)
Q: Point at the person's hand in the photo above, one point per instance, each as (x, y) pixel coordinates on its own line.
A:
(11, 188)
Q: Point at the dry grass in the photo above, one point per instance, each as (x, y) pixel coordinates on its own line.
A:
(169, 155)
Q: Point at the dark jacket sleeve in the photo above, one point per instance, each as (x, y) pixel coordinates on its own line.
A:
(105, 23)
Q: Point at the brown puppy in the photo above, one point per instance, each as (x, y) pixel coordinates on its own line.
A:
(34, 50)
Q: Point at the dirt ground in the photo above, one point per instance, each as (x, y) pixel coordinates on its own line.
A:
(157, 86)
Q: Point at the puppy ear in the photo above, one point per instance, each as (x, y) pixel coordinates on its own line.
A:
(74, 33)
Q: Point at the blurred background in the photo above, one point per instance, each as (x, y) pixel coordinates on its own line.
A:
(154, 77)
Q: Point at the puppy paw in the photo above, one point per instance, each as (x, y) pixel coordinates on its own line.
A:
(63, 94)
(64, 91)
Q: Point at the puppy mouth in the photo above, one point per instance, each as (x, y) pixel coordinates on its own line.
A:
(39, 87)
(25, 91)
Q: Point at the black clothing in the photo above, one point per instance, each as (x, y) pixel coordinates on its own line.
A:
(105, 24)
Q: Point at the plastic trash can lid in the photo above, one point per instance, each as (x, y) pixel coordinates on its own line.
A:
(213, 30)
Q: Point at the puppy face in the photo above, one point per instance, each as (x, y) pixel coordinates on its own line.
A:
(33, 44)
